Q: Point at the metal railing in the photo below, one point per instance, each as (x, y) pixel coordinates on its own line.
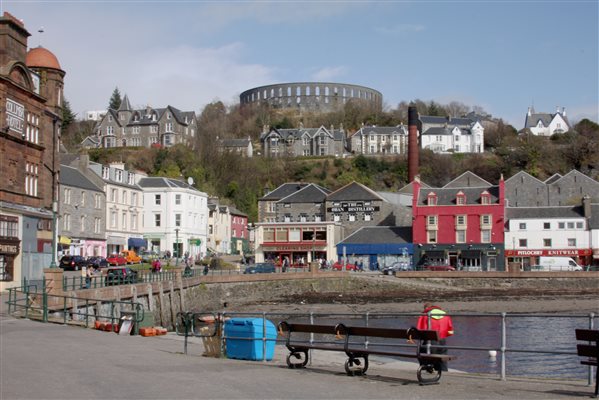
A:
(188, 323)
(34, 302)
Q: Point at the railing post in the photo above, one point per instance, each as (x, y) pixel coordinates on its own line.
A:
(311, 334)
(503, 344)
(87, 313)
(45, 306)
(590, 368)
(264, 336)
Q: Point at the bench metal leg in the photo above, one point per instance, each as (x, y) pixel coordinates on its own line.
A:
(298, 356)
(428, 374)
(353, 365)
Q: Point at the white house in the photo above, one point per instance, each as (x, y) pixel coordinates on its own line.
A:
(446, 134)
(533, 232)
(380, 140)
(219, 227)
(545, 124)
(175, 216)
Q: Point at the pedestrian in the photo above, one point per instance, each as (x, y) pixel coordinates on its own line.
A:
(89, 273)
(285, 264)
(205, 269)
(434, 318)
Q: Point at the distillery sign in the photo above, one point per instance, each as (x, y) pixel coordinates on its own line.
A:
(15, 116)
(358, 206)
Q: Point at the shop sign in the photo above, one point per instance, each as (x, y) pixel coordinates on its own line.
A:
(358, 206)
(6, 248)
(15, 116)
(549, 253)
(296, 247)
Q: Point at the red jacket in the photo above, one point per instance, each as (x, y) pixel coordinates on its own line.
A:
(440, 321)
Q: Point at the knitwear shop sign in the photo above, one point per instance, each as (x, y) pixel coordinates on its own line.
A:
(15, 116)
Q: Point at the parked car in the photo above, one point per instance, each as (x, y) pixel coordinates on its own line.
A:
(131, 257)
(74, 263)
(397, 267)
(116, 259)
(260, 268)
(120, 275)
(148, 256)
(97, 262)
(338, 266)
(437, 267)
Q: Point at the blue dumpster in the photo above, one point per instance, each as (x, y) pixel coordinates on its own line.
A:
(244, 338)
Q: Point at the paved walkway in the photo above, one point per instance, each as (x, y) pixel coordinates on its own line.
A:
(50, 361)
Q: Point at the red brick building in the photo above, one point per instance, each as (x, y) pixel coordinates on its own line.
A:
(460, 224)
(31, 91)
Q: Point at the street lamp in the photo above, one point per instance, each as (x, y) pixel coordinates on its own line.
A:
(54, 230)
(177, 245)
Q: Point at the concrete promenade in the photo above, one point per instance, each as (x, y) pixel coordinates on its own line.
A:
(50, 361)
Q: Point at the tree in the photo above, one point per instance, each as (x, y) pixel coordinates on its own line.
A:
(115, 99)
(68, 117)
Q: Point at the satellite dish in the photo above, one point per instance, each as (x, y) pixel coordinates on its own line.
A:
(190, 181)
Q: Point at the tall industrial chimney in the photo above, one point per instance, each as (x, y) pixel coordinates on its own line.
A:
(412, 143)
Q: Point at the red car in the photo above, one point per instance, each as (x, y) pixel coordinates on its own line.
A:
(437, 268)
(338, 266)
(116, 259)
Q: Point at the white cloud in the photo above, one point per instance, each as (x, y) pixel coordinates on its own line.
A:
(329, 73)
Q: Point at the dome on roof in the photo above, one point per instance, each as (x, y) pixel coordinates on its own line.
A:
(41, 57)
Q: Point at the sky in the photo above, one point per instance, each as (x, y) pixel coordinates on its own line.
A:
(501, 55)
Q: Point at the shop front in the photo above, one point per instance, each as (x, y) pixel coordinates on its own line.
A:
(530, 258)
(115, 244)
(9, 250)
(463, 257)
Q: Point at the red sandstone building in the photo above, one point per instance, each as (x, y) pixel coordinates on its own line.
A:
(31, 91)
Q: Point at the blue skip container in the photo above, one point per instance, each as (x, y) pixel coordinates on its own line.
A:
(244, 338)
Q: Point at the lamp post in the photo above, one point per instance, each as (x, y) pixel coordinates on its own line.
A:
(177, 245)
(54, 231)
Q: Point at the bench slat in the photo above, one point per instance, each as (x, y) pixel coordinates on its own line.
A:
(309, 328)
(589, 362)
(393, 333)
(590, 335)
(587, 350)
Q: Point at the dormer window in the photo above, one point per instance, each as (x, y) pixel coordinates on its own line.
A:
(105, 172)
(461, 198)
(431, 199)
(485, 198)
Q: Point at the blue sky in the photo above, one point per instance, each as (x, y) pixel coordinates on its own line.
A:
(501, 55)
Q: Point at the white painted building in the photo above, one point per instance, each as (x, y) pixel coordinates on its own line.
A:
(380, 140)
(546, 124)
(175, 217)
(219, 228)
(451, 135)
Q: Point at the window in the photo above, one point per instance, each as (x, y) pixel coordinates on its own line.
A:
(113, 219)
(431, 220)
(367, 217)
(105, 172)
(82, 202)
(118, 175)
(522, 242)
(9, 226)
(431, 236)
(113, 194)
(281, 234)
(460, 199)
(178, 199)
(571, 242)
(168, 127)
(66, 222)
(485, 220)
(432, 200)
(124, 220)
(546, 225)
(336, 217)
(6, 273)
(294, 234)
(97, 225)
(485, 198)
(124, 197)
(460, 236)
(547, 242)
(67, 196)
(130, 176)
(579, 225)
(351, 217)
(157, 199)
(82, 223)
(485, 236)
(31, 171)
(561, 225)
(522, 226)
(156, 220)
(287, 218)
(133, 199)
(269, 234)
(177, 219)
(303, 218)
(570, 225)
(98, 201)
(460, 220)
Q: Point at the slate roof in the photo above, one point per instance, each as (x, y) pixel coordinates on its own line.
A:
(429, 119)
(381, 130)
(161, 182)
(125, 104)
(544, 212)
(234, 211)
(354, 192)
(447, 196)
(534, 119)
(553, 178)
(520, 174)
(284, 190)
(70, 176)
(308, 194)
(298, 133)
(594, 220)
(467, 179)
(380, 235)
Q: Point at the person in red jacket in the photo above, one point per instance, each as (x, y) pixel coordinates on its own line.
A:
(434, 318)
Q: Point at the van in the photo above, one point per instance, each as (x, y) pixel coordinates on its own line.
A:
(558, 264)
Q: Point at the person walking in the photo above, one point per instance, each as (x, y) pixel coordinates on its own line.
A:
(434, 318)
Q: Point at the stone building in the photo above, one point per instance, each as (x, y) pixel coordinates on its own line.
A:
(31, 95)
(380, 140)
(267, 204)
(243, 147)
(311, 96)
(127, 127)
(303, 142)
(82, 209)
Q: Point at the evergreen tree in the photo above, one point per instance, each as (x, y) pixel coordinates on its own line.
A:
(115, 99)
(68, 117)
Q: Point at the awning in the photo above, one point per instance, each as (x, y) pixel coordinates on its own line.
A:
(137, 242)
(64, 240)
(470, 254)
(197, 242)
(435, 253)
(116, 240)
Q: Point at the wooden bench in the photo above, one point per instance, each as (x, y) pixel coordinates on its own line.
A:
(590, 350)
(358, 351)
